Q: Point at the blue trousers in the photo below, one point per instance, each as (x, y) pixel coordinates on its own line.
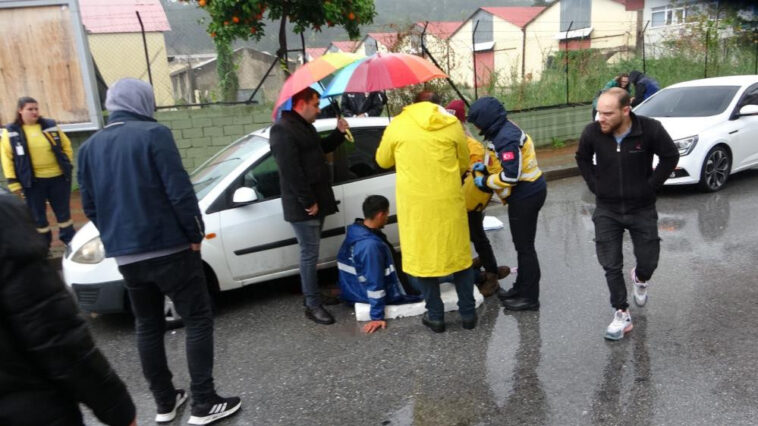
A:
(308, 234)
(57, 191)
(430, 290)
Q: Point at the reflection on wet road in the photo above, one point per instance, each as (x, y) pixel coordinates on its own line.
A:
(692, 357)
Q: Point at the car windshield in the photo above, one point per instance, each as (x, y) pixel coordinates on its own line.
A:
(699, 101)
(207, 176)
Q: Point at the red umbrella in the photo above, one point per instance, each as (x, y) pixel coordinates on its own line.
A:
(383, 71)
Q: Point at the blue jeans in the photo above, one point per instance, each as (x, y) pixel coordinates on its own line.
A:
(179, 276)
(430, 290)
(57, 190)
(609, 237)
(308, 234)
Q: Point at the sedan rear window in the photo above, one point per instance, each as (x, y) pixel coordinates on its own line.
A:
(701, 101)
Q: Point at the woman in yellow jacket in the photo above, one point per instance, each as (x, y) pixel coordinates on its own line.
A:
(36, 157)
(427, 146)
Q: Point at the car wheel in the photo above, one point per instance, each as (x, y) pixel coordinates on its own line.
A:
(173, 319)
(716, 168)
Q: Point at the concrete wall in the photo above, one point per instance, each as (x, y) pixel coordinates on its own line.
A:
(123, 55)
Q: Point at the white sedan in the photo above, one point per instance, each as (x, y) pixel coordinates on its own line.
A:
(247, 240)
(714, 123)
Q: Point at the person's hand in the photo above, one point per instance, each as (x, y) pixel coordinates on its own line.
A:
(479, 167)
(312, 210)
(19, 193)
(481, 183)
(373, 326)
(342, 125)
(195, 246)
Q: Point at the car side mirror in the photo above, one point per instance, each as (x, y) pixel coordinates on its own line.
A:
(749, 110)
(243, 196)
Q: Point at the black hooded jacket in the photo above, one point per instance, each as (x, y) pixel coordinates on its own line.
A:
(622, 176)
(48, 360)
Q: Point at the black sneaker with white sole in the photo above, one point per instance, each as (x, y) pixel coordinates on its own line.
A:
(214, 409)
(167, 413)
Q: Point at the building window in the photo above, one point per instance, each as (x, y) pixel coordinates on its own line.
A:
(575, 14)
(370, 46)
(484, 32)
(668, 15)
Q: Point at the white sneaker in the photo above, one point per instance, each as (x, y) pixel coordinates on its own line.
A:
(621, 324)
(166, 414)
(640, 289)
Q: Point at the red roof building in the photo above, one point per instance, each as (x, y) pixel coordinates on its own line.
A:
(119, 16)
(441, 29)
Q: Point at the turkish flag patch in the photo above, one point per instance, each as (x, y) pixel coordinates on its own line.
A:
(508, 156)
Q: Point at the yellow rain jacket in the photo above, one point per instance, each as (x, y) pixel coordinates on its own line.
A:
(428, 148)
(476, 199)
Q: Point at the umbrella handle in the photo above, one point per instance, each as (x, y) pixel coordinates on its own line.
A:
(349, 135)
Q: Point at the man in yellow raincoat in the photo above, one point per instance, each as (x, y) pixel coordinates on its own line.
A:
(428, 148)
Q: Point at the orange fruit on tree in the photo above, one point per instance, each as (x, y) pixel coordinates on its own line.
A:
(201, 3)
(235, 19)
(351, 16)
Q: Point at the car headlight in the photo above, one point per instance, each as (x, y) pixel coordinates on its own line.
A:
(686, 145)
(91, 252)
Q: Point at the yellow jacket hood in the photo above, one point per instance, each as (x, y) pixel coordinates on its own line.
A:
(430, 116)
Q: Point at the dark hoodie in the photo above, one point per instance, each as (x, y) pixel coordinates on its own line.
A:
(133, 185)
(48, 359)
(489, 115)
(644, 86)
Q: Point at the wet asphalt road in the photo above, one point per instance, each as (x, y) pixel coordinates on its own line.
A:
(692, 357)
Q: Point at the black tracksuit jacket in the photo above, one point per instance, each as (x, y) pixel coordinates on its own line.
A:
(622, 177)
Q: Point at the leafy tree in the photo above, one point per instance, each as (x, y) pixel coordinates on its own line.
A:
(244, 19)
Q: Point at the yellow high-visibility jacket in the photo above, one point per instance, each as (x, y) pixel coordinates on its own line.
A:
(528, 172)
(428, 148)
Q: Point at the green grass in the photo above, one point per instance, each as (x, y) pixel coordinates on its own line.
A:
(588, 73)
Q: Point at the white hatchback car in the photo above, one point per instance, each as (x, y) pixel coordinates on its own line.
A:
(713, 122)
(247, 240)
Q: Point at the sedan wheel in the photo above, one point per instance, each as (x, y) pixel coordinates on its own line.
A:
(716, 168)
(173, 319)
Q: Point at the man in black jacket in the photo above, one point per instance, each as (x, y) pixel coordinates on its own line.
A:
(624, 184)
(136, 191)
(48, 360)
(307, 196)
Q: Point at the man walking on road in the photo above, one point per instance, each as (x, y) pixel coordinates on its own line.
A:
(427, 146)
(305, 181)
(624, 185)
(136, 191)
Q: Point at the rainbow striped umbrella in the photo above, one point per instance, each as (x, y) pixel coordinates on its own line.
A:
(313, 72)
(382, 71)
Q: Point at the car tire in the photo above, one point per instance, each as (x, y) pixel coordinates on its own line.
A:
(173, 319)
(715, 170)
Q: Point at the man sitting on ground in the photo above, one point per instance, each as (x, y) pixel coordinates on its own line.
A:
(367, 272)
